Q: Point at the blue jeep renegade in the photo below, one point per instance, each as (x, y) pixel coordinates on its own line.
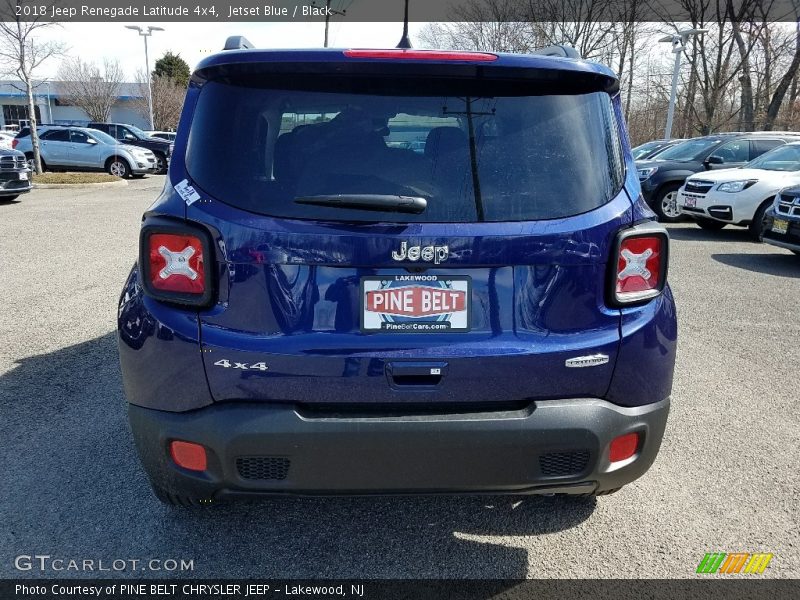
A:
(398, 271)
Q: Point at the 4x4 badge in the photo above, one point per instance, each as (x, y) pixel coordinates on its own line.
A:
(434, 254)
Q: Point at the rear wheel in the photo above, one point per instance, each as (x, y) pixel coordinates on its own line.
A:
(666, 204)
(118, 167)
(32, 163)
(756, 227)
(710, 225)
(161, 164)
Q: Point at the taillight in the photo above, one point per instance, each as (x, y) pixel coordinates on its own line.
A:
(402, 54)
(639, 264)
(175, 264)
(14, 143)
(188, 455)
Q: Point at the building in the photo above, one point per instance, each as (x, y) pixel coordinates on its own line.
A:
(52, 106)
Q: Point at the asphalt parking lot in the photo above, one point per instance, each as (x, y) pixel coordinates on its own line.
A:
(727, 478)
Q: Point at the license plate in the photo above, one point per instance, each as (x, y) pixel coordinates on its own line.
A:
(23, 176)
(690, 202)
(780, 226)
(415, 304)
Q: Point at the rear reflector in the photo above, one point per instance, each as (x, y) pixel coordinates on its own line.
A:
(422, 55)
(188, 455)
(639, 265)
(176, 263)
(623, 447)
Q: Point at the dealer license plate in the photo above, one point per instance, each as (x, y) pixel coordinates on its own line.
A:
(415, 304)
(780, 226)
(23, 176)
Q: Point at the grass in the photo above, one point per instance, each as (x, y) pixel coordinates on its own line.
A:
(76, 178)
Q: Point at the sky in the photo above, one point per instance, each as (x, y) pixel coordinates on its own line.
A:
(194, 41)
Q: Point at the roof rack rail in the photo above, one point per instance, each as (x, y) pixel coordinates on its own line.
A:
(558, 50)
(238, 42)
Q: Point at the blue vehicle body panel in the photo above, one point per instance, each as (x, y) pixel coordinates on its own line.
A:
(289, 298)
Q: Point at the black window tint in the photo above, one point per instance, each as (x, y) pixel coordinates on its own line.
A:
(472, 156)
(56, 135)
(758, 147)
(78, 137)
(734, 151)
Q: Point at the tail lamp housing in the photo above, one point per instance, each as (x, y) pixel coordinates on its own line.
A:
(638, 265)
(176, 263)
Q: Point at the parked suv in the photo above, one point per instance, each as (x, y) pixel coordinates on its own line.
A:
(133, 136)
(782, 220)
(316, 311)
(664, 175)
(82, 149)
(15, 176)
(741, 196)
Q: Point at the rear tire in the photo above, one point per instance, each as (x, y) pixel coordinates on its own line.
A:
(180, 501)
(118, 167)
(161, 164)
(665, 203)
(756, 227)
(710, 225)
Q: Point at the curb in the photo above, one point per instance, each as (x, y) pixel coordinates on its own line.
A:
(79, 186)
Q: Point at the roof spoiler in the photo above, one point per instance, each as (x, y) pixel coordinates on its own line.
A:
(238, 42)
(558, 50)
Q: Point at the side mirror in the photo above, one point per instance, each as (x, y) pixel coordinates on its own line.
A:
(129, 136)
(713, 160)
(91, 141)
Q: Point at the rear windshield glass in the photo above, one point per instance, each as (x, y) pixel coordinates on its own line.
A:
(471, 156)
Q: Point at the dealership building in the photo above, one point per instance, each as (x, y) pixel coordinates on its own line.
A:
(52, 105)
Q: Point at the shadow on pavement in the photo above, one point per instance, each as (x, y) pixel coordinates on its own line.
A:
(75, 490)
(695, 234)
(780, 265)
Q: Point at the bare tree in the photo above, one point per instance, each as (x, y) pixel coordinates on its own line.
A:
(168, 96)
(21, 54)
(89, 88)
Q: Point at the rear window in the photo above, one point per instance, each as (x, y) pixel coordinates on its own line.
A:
(470, 154)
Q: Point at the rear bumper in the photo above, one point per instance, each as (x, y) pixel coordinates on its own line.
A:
(555, 446)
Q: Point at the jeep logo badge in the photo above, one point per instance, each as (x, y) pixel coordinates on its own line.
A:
(434, 254)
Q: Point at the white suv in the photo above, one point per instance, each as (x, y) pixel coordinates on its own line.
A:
(740, 196)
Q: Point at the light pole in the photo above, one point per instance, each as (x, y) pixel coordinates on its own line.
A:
(678, 41)
(146, 33)
(49, 106)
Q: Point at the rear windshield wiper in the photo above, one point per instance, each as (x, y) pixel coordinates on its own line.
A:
(376, 202)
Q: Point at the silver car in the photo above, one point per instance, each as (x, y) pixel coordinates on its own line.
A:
(84, 149)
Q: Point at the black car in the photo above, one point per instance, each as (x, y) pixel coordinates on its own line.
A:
(782, 220)
(15, 176)
(661, 177)
(128, 134)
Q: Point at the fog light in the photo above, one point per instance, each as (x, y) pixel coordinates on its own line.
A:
(188, 455)
(623, 447)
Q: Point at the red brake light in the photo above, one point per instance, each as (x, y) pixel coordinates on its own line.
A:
(188, 455)
(176, 263)
(640, 264)
(422, 55)
(623, 447)
(14, 143)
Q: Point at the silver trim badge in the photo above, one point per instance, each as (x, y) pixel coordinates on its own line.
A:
(593, 360)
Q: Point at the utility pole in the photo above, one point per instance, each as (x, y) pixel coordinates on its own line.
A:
(146, 33)
(328, 13)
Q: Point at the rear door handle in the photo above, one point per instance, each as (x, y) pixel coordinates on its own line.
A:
(416, 373)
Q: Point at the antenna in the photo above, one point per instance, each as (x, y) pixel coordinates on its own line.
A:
(404, 41)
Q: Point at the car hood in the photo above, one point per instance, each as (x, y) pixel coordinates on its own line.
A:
(131, 148)
(720, 175)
